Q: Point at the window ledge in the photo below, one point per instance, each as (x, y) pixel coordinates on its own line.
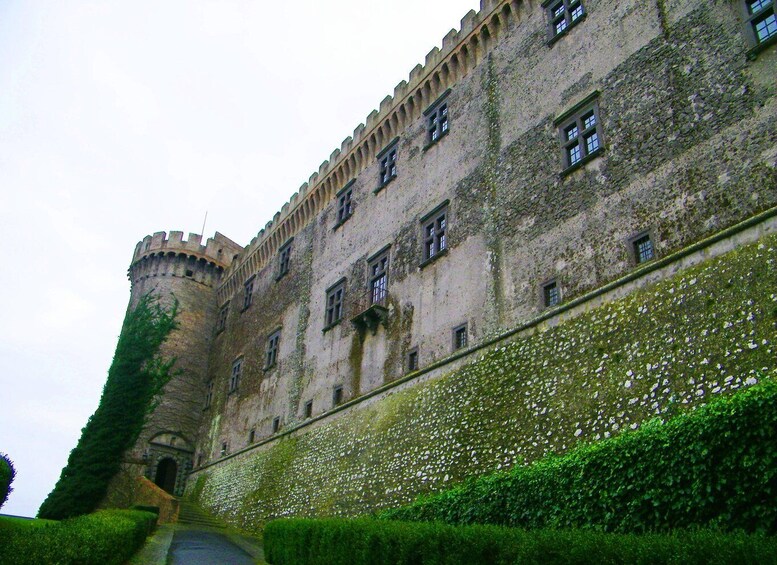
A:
(436, 141)
(752, 53)
(332, 325)
(341, 222)
(384, 185)
(433, 258)
(582, 162)
(558, 36)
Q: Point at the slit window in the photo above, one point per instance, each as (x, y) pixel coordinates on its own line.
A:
(337, 396)
(309, 409)
(276, 424)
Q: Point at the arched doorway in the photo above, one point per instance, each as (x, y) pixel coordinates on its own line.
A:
(166, 472)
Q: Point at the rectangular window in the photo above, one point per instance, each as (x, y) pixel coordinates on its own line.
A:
(334, 303)
(276, 424)
(551, 294)
(249, 293)
(435, 232)
(345, 203)
(563, 15)
(337, 396)
(761, 20)
(200, 459)
(284, 259)
(221, 324)
(412, 360)
(224, 449)
(437, 119)
(251, 436)
(580, 133)
(643, 249)
(309, 409)
(209, 395)
(271, 355)
(387, 159)
(234, 380)
(460, 337)
(379, 278)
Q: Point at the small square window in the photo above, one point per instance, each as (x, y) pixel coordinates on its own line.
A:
(209, 395)
(309, 409)
(284, 259)
(562, 16)
(387, 159)
(435, 233)
(271, 352)
(276, 424)
(334, 304)
(460, 337)
(551, 294)
(580, 133)
(344, 203)
(761, 21)
(643, 249)
(234, 380)
(337, 395)
(221, 324)
(379, 278)
(412, 360)
(249, 293)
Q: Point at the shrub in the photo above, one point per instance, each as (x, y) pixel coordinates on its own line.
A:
(105, 537)
(7, 474)
(136, 377)
(374, 542)
(715, 467)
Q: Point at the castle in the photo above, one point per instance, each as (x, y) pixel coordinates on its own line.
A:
(545, 152)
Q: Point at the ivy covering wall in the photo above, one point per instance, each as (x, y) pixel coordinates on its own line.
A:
(663, 349)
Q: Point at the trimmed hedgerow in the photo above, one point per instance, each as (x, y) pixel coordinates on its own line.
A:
(714, 467)
(7, 474)
(137, 375)
(374, 542)
(103, 538)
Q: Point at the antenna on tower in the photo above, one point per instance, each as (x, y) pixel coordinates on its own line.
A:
(203, 223)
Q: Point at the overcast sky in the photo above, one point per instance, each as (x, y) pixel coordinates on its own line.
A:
(119, 119)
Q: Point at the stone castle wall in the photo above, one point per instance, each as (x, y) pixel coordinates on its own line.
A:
(686, 121)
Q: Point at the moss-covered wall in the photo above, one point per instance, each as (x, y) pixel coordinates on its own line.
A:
(662, 349)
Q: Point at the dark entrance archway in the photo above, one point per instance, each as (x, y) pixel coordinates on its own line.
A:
(166, 472)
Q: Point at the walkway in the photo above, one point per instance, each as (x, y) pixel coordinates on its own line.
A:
(205, 547)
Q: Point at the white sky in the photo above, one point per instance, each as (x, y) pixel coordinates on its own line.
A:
(119, 119)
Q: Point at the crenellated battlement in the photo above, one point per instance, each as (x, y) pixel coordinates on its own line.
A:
(218, 249)
(461, 51)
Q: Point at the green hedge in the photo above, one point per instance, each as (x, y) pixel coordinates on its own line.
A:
(7, 474)
(714, 467)
(103, 538)
(374, 542)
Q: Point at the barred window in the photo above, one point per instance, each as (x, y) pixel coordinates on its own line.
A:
(379, 278)
(221, 324)
(643, 249)
(271, 356)
(334, 303)
(460, 337)
(551, 294)
(284, 259)
(387, 159)
(435, 232)
(234, 380)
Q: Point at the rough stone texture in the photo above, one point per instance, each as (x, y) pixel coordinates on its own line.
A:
(690, 148)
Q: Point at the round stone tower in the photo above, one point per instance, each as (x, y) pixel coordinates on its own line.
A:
(189, 272)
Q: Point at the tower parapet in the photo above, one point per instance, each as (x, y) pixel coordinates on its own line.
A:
(159, 255)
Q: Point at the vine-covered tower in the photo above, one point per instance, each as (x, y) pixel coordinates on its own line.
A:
(188, 272)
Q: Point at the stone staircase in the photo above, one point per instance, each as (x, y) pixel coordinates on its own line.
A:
(190, 514)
